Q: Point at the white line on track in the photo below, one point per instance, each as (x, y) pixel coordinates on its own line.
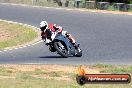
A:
(38, 28)
(15, 48)
(10, 49)
(20, 47)
(5, 50)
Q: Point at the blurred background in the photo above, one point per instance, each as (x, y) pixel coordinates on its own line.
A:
(114, 5)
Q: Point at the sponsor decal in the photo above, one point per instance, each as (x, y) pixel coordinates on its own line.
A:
(83, 78)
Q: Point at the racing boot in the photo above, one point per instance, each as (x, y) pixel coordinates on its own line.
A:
(77, 47)
(72, 40)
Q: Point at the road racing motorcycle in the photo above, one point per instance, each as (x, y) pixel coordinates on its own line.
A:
(62, 45)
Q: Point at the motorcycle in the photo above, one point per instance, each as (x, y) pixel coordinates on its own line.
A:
(62, 45)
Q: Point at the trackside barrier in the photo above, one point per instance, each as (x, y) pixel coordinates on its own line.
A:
(130, 7)
(78, 3)
(120, 6)
(65, 3)
(103, 5)
(89, 4)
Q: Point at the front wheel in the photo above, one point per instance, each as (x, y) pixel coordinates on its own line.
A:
(61, 49)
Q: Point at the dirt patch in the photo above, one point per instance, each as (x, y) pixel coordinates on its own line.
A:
(42, 67)
(7, 77)
(62, 68)
(13, 35)
(4, 33)
(57, 72)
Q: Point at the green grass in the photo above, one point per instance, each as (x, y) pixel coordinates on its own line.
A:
(24, 76)
(104, 68)
(117, 69)
(28, 79)
(98, 65)
(44, 72)
(19, 34)
(5, 71)
(51, 83)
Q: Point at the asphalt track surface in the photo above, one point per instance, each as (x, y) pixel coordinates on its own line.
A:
(104, 38)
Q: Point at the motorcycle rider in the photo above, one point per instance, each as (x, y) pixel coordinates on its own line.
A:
(48, 28)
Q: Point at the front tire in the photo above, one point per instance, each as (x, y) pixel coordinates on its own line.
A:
(61, 49)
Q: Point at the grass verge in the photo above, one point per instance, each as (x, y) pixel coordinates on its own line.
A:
(54, 76)
(15, 34)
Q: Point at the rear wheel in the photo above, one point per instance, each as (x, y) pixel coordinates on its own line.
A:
(61, 49)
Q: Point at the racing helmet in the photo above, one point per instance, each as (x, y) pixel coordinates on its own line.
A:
(43, 26)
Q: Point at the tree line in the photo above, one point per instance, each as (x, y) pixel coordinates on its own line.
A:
(116, 1)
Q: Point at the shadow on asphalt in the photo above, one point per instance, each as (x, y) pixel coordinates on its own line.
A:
(50, 57)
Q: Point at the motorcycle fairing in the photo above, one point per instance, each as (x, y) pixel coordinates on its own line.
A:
(69, 46)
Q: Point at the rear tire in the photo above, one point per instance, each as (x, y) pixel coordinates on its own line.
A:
(61, 50)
